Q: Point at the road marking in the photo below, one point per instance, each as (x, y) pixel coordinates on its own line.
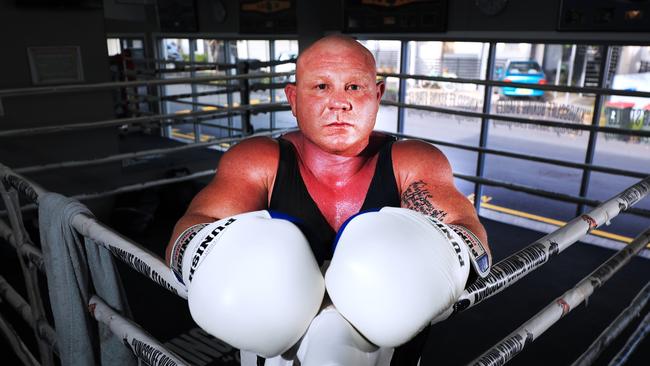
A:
(484, 198)
(558, 223)
(547, 220)
(177, 133)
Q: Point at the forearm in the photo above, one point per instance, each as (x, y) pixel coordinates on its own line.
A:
(188, 220)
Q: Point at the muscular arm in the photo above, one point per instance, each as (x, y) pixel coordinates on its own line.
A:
(241, 184)
(426, 185)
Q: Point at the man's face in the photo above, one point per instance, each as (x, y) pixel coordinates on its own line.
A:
(336, 98)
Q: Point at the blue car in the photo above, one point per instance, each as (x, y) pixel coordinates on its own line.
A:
(523, 72)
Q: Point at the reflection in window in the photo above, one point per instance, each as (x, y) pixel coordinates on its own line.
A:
(175, 49)
(466, 60)
(556, 64)
(620, 150)
(447, 59)
(387, 57)
(629, 70)
(285, 50)
(113, 46)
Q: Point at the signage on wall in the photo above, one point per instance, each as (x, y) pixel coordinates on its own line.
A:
(267, 16)
(55, 65)
(395, 16)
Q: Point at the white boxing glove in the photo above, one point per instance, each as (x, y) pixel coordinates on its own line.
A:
(252, 281)
(393, 271)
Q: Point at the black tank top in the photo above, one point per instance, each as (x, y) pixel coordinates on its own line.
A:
(290, 196)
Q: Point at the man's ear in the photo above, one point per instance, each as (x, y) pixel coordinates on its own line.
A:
(290, 92)
(381, 87)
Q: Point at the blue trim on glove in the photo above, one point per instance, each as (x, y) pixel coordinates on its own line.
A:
(338, 234)
(283, 216)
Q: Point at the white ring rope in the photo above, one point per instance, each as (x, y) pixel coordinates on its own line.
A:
(20, 305)
(17, 344)
(514, 343)
(125, 84)
(521, 263)
(142, 344)
(615, 328)
(136, 256)
(527, 260)
(632, 343)
(136, 154)
(141, 120)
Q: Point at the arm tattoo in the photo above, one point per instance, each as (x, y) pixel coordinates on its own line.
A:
(417, 198)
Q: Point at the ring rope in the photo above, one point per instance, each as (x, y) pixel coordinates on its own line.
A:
(141, 343)
(71, 88)
(514, 343)
(138, 120)
(516, 266)
(20, 305)
(137, 154)
(150, 265)
(632, 343)
(16, 343)
(615, 328)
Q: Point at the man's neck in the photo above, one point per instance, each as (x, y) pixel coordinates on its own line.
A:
(331, 168)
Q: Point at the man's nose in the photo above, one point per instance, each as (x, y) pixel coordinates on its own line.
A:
(338, 100)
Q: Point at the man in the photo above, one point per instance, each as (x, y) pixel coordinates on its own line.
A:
(335, 166)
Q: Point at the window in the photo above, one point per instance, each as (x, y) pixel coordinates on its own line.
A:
(387, 57)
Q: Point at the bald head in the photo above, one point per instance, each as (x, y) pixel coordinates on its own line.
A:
(334, 47)
(336, 95)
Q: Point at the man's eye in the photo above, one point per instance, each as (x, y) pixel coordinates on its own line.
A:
(354, 87)
(321, 86)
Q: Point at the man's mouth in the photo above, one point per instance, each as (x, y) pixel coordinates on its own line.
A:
(339, 124)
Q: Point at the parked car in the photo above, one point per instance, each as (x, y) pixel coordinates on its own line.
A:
(172, 52)
(528, 72)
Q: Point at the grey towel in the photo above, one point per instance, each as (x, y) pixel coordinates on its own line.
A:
(77, 267)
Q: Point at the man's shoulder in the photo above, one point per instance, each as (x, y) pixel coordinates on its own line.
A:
(413, 150)
(254, 152)
(415, 160)
(262, 144)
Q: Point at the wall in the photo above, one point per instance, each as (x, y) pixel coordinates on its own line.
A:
(32, 27)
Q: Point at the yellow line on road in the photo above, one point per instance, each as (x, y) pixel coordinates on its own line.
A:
(176, 133)
(547, 220)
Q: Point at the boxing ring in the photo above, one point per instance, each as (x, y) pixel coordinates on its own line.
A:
(503, 274)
